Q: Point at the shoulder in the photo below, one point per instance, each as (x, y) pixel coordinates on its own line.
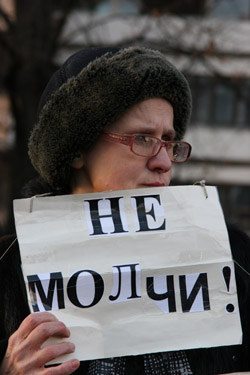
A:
(3, 347)
(229, 359)
(13, 300)
(6, 239)
(9, 250)
(239, 241)
(240, 247)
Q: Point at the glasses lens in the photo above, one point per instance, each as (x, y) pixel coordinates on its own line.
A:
(178, 151)
(145, 146)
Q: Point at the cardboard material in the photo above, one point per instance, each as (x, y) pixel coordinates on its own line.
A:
(131, 272)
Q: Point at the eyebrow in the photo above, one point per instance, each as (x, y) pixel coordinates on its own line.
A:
(147, 128)
(170, 134)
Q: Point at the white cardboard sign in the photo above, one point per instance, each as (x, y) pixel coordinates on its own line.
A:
(131, 272)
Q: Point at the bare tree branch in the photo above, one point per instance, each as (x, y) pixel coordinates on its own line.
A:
(68, 6)
(5, 17)
(7, 44)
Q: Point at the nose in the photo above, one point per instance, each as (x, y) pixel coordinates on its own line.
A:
(161, 162)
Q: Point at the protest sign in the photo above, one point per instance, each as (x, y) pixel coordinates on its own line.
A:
(133, 271)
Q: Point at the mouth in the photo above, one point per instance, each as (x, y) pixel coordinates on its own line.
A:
(155, 184)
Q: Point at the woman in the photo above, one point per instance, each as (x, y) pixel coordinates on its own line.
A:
(109, 119)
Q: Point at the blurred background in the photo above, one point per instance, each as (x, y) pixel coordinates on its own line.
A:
(208, 40)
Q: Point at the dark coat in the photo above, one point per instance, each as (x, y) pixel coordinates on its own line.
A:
(14, 308)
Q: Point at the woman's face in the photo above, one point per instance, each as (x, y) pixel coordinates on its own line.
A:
(112, 166)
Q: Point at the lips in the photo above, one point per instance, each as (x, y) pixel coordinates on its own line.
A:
(154, 184)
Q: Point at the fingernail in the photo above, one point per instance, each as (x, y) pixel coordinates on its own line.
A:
(68, 332)
(72, 347)
(75, 364)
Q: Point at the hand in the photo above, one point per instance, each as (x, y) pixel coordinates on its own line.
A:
(24, 354)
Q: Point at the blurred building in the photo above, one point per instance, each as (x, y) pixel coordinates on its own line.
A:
(209, 41)
(212, 48)
(7, 134)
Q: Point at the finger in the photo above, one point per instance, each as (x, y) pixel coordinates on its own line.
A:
(65, 368)
(32, 321)
(52, 352)
(18, 338)
(44, 331)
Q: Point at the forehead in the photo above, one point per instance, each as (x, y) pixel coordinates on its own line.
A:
(149, 115)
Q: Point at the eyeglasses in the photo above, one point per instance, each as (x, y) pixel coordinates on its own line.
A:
(148, 146)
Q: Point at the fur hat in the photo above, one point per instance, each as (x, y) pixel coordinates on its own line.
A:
(91, 90)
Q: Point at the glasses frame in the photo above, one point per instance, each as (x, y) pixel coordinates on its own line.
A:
(128, 140)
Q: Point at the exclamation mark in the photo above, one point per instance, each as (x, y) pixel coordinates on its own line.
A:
(227, 278)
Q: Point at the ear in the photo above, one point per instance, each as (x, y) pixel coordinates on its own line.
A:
(78, 161)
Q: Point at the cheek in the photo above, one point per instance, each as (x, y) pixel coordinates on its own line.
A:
(115, 176)
(118, 174)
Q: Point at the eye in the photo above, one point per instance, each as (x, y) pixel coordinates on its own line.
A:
(178, 151)
(174, 153)
(143, 139)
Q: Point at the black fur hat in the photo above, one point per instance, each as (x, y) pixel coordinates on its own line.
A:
(91, 90)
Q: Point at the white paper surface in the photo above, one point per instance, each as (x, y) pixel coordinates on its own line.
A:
(157, 275)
